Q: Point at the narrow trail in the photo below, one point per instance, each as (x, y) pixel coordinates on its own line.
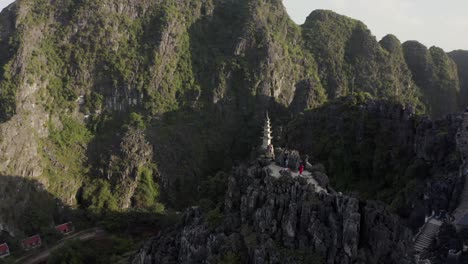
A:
(85, 235)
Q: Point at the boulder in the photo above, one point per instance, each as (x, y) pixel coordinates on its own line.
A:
(321, 178)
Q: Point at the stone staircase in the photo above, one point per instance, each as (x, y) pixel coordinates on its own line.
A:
(426, 235)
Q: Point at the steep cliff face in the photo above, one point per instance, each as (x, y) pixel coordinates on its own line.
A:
(253, 45)
(398, 73)
(73, 72)
(351, 60)
(268, 220)
(461, 59)
(8, 44)
(436, 75)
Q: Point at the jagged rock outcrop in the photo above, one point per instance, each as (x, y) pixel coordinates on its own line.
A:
(268, 220)
(435, 144)
(383, 150)
(134, 153)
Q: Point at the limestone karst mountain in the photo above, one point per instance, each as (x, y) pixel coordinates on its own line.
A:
(114, 104)
(351, 60)
(437, 76)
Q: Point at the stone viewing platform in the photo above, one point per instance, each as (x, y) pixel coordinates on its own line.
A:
(281, 162)
(276, 171)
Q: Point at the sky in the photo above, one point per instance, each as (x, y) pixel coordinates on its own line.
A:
(431, 22)
(4, 3)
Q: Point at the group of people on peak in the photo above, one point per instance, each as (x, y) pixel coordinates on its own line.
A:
(302, 163)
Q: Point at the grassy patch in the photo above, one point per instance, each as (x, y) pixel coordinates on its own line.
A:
(108, 250)
(64, 156)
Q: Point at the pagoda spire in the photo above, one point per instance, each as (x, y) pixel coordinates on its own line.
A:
(267, 134)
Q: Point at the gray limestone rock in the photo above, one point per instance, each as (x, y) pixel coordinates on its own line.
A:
(321, 178)
(269, 220)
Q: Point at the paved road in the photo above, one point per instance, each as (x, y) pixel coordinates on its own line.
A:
(42, 256)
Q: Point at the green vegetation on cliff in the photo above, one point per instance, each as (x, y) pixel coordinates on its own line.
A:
(8, 86)
(9, 42)
(460, 57)
(375, 148)
(436, 75)
(351, 60)
(175, 92)
(108, 250)
(147, 193)
(64, 158)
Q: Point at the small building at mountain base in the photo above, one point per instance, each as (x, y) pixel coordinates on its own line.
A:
(31, 242)
(65, 229)
(4, 250)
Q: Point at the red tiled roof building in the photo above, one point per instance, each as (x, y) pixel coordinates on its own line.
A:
(4, 250)
(31, 242)
(65, 229)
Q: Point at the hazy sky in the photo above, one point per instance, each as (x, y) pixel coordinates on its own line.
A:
(431, 22)
(4, 3)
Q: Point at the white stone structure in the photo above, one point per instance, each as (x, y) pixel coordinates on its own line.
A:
(266, 145)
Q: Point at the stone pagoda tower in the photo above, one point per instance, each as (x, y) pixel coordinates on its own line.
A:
(266, 143)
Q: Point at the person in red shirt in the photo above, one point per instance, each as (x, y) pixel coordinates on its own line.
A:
(301, 169)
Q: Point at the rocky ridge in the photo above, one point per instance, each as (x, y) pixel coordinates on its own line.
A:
(383, 150)
(268, 220)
